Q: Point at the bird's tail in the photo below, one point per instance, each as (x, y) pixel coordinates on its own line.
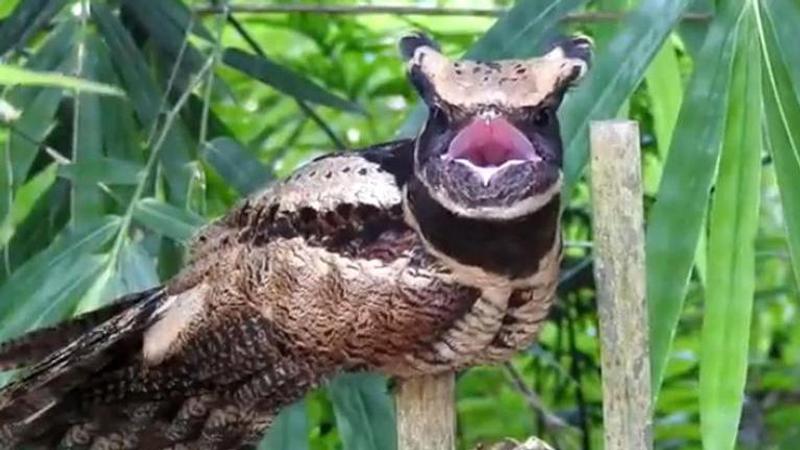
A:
(59, 358)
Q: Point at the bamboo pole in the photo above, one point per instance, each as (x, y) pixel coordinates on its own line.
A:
(426, 418)
(620, 280)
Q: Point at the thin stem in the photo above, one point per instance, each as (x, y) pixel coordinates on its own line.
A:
(215, 55)
(255, 8)
(173, 76)
(552, 422)
(153, 157)
(301, 104)
(59, 158)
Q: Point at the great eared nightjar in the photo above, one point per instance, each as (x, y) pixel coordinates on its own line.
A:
(410, 257)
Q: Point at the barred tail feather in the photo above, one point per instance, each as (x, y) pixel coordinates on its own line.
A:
(66, 356)
(35, 345)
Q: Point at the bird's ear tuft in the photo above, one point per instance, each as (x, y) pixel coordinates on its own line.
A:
(410, 43)
(576, 51)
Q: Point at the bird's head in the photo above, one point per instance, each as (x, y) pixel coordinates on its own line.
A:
(491, 146)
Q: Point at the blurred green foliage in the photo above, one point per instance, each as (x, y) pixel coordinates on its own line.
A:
(98, 192)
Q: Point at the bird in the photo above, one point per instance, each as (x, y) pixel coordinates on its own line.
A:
(416, 256)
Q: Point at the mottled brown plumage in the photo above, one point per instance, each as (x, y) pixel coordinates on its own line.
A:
(416, 256)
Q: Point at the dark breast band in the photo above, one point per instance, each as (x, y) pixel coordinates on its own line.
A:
(511, 248)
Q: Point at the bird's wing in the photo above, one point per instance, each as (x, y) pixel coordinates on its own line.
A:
(192, 363)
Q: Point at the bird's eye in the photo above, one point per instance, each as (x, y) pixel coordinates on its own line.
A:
(541, 118)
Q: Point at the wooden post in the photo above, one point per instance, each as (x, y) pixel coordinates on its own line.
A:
(426, 418)
(620, 280)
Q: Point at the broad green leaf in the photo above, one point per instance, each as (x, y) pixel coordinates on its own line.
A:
(602, 33)
(23, 293)
(285, 80)
(179, 15)
(693, 32)
(121, 137)
(136, 270)
(14, 76)
(167, 34)
(731, 251)
(54, 296)
(32, 127)
(289, 431)
(110, 171)
(665, 89)
(783, 15)
(782, 113)
(87, 135)
(166, 219)
(523, 30)
(236, 165)
(96, 294)
(25, 20)
(146, 97)
(130, 64)
(682, 202)
(24, 201)
(56, 47)
(613, 78)
(364, 412)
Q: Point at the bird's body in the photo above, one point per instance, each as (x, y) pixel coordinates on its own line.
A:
(354, 262)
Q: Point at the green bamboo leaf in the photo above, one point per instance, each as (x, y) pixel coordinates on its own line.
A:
(168, 34)
(693, 32)
(731, 249)
(166, 219)
(54, 296)
(32, 127)
(614, 76)
(137, 270)
(665, 90)
(236, 165)
(782, 113)
(604, 32)
(18, 76)
(87, 135)
(121, 138)
(40, 105)
(285, 80)
(179, 14)
(24, 201)
(98, 292)
(48, 58)
(110, 171)
(289, 431)
(364, 412)
(43, 279)
(523, 30)
(28, 18)
(688, 176)
(145, 96)
(783, 16)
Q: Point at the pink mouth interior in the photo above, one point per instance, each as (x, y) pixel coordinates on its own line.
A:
(491, 144)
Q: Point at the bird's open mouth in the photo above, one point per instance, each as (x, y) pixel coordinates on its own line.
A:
(487, 147)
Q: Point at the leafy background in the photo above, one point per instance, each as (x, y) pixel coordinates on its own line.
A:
(125, 125)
